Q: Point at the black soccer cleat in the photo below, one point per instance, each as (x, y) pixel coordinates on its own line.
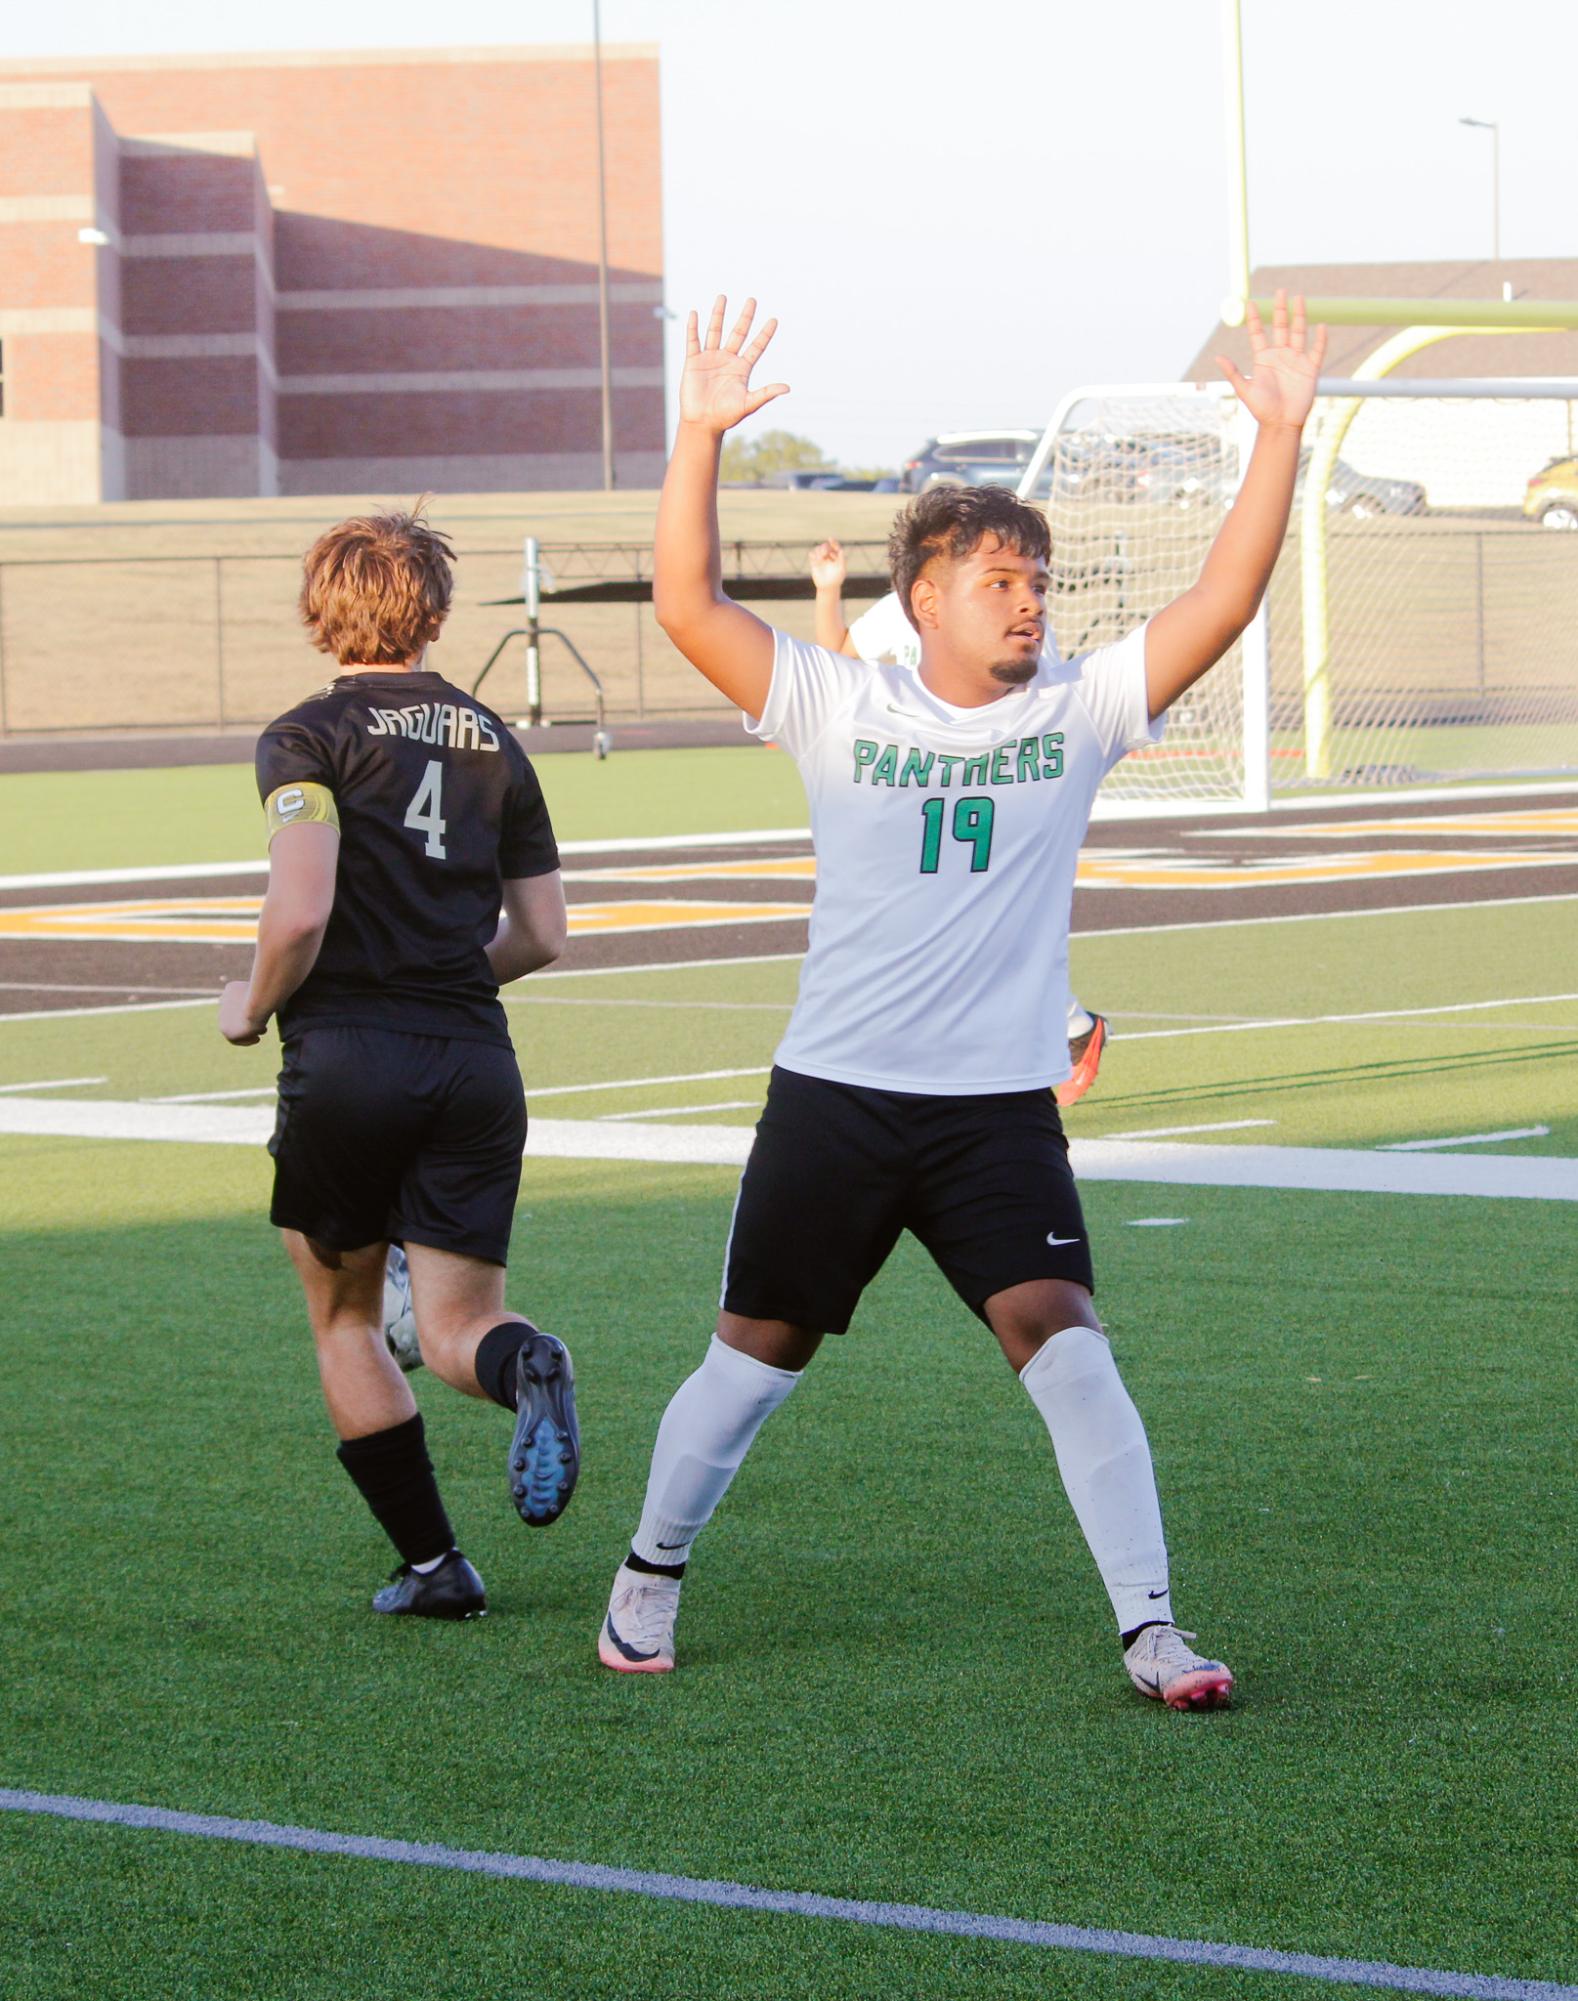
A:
(545, 1453)
(453, 1591)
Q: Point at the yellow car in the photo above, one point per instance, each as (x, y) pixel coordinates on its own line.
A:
(1552, 495)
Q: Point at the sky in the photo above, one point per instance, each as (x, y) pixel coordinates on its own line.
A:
(960, 213)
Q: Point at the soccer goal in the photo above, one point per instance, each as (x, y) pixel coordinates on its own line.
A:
(1421, 630)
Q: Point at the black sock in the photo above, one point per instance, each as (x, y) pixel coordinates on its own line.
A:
(1126, 1640)
(495, 1360)
(394, 1476)
(634, 1562)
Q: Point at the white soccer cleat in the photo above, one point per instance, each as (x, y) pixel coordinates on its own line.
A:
(1163, 1666)
(399, 1319)
(638, 1634)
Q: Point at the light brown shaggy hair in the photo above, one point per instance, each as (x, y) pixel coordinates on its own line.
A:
(375, 590)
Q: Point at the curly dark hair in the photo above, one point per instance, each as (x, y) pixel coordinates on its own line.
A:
(953, 521)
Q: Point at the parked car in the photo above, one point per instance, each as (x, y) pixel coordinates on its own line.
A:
(1192, 471)
(969, 458)
(1552, 494)
(813, 480)
(1363, 494)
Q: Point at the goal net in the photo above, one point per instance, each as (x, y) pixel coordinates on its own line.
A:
(1421, 629)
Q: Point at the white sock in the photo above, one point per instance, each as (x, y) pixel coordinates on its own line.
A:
(427, 1569)
(1105, 1464)
(1080, 1020)
(705, 1434)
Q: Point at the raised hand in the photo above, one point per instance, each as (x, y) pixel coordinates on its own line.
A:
(828, 566)
(715, 390)
(1280, 387)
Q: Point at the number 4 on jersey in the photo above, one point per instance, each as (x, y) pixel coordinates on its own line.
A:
(424, 810)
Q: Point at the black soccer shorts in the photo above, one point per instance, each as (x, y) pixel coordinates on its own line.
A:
(838, 1170)
(383, 1135)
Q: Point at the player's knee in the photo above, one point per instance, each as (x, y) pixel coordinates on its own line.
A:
(1025, 1317)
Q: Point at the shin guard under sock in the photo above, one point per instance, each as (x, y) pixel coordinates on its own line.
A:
(706, 1432)
(394, 1476)
(495, 1360)
(1105, 1464)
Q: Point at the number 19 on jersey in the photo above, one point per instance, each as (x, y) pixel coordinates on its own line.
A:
(972, 824)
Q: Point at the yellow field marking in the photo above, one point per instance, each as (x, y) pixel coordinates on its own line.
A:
(187, 920)
(599, 919)
(1107, 868)
(232, 920)
(1165, 872)
(1533, 823)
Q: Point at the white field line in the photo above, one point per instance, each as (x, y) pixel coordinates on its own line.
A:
(1516, 822)
(672, 1111)
(1238, 1027)
(1532, 1177)
(1436, 910)
(642, 1083)
(778, 958)
(1538, 788)
(598, 1877)
(1463, 1139)
(128, 1007)
(50, 1084)
(106, 877)
(198, 871)
(515, 995)
(1329, 1020)
(97, 987)
(211, 1097)
(1179, 1132)
(628, 1000)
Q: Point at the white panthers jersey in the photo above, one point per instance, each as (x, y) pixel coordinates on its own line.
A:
(884, 633)
(946, 844)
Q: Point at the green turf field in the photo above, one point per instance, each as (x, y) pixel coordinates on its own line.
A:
(210, 813)
(897, 1680)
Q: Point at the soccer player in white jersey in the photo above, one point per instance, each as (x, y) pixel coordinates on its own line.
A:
(882, 635)
(910, 1089)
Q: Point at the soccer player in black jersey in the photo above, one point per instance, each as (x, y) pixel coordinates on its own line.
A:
(412, 872)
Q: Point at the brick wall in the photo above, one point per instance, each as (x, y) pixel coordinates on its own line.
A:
(326, 274)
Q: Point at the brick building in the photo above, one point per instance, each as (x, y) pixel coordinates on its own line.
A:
(226, 275)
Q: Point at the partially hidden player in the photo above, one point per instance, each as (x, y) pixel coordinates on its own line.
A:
(412, 872)
(883, 633)
(910, 1090)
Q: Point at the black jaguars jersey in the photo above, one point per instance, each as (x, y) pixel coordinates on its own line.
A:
(437, 804)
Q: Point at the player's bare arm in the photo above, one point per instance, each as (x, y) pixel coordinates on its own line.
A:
(728, 644)
(302, 865)
(828, 573)
(1195, 630)
(533, 926)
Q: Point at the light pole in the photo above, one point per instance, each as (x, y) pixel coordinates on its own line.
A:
(602, 259)
(1493, 128)
(1237, 163)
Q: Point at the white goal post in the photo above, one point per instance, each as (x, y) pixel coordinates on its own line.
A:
(1421, 631)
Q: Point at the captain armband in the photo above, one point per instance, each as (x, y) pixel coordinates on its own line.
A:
(295, 805)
